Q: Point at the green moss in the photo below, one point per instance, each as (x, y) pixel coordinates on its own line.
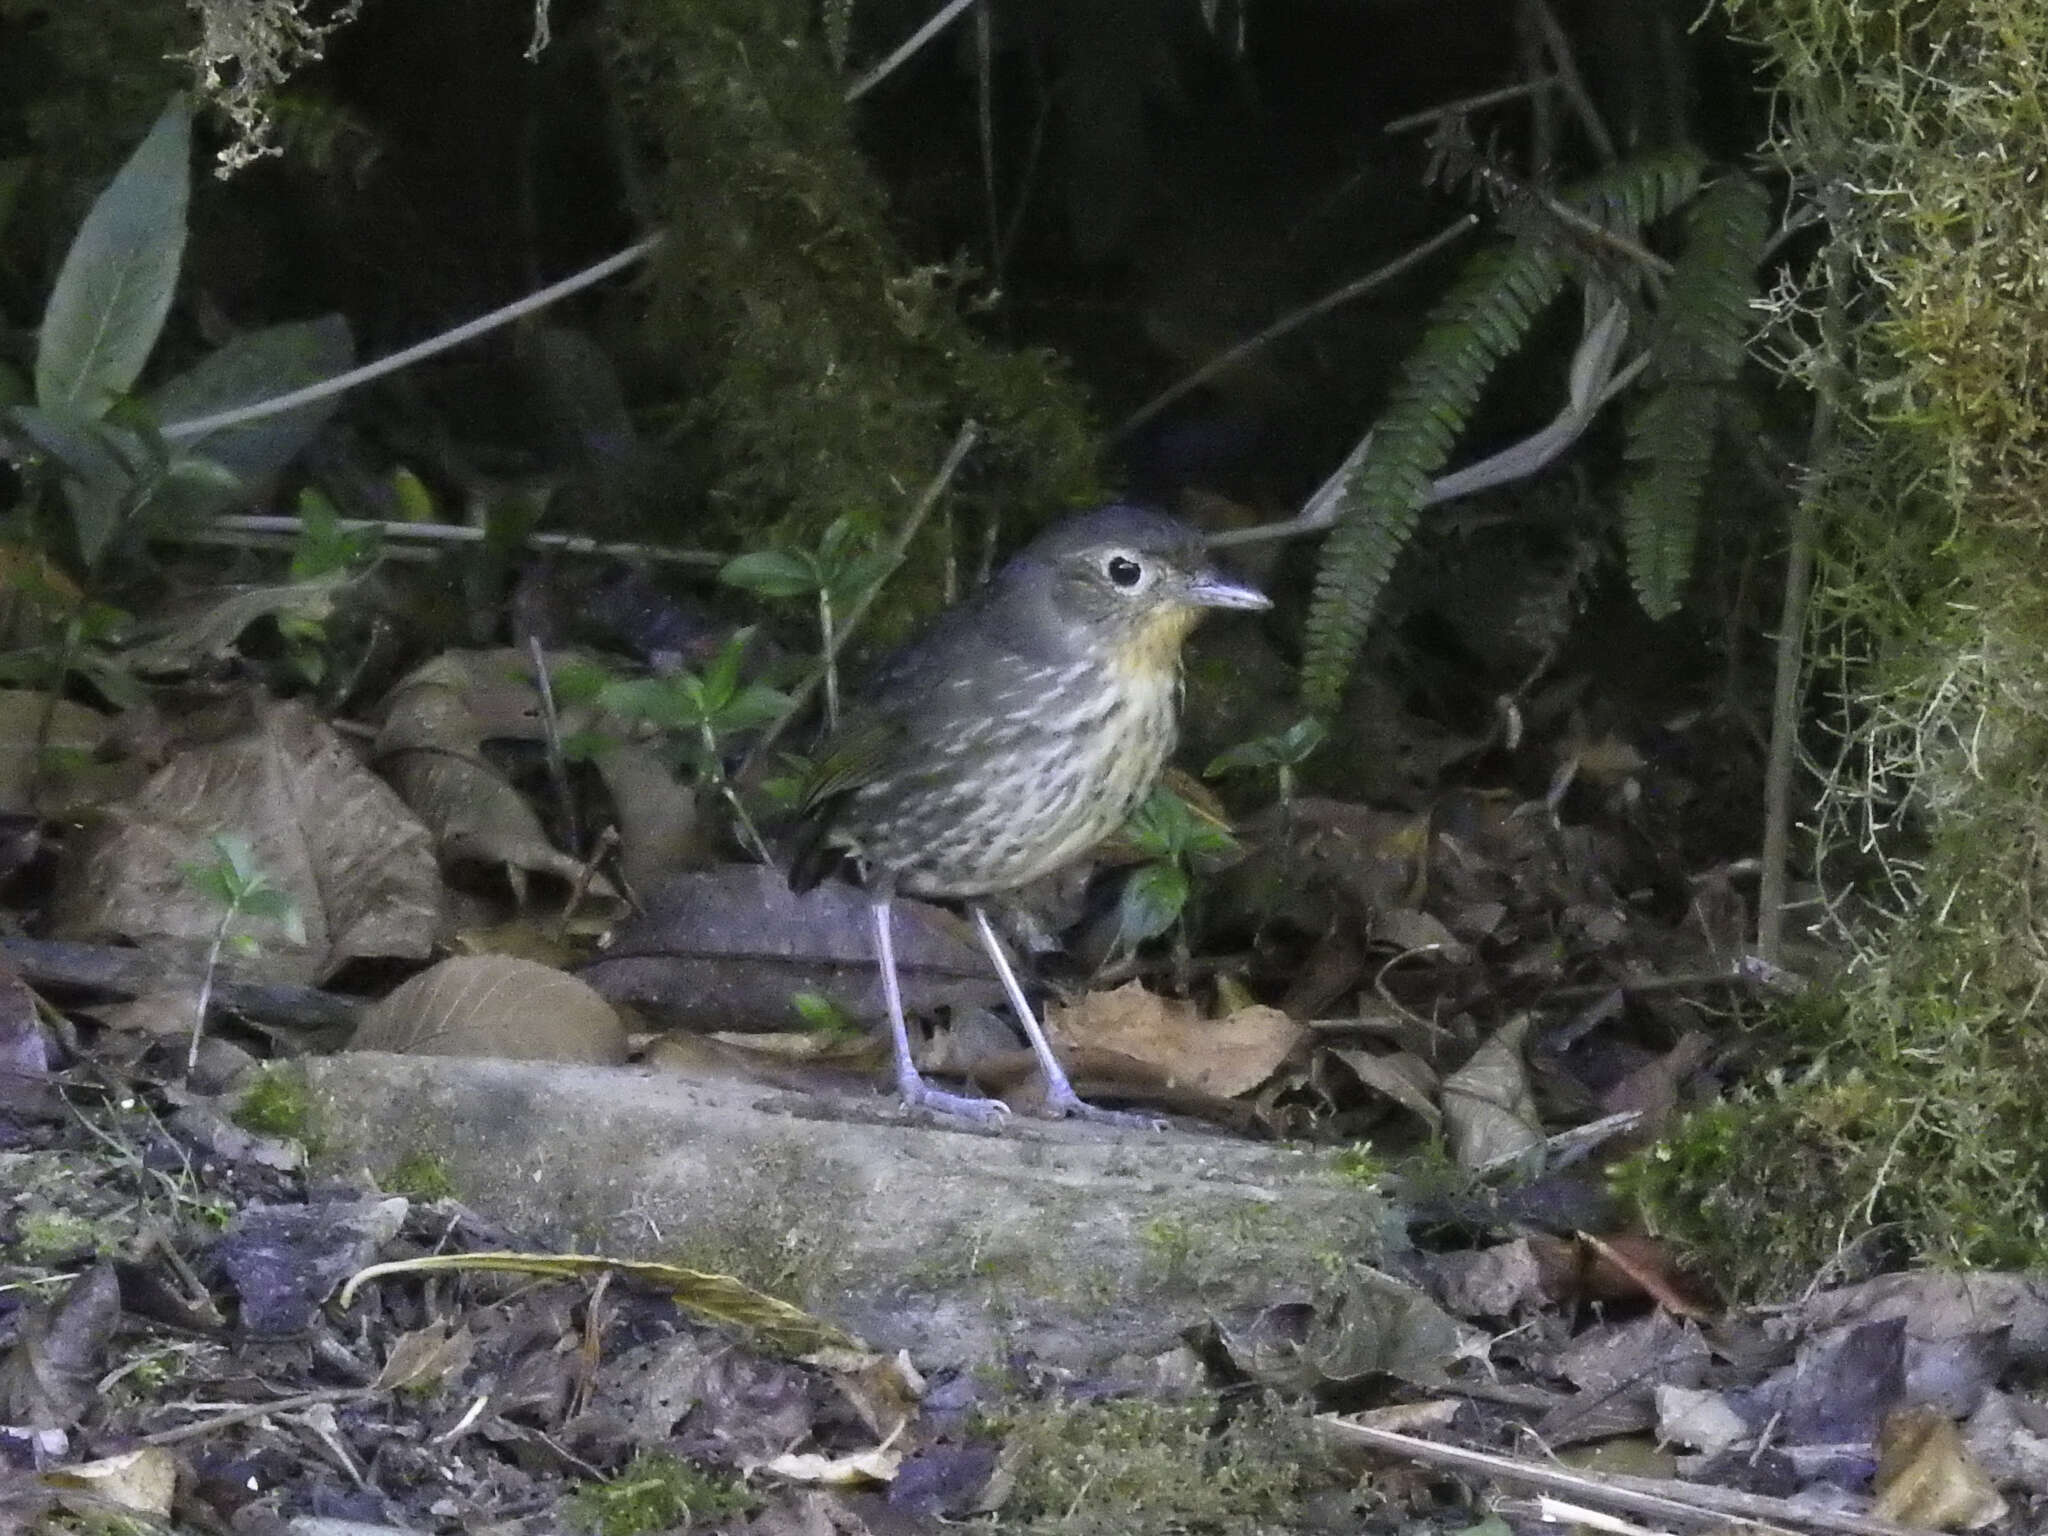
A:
(657, 1492)
(1136, 1468)
(1169, 1249)
(48, 1235)
(762, 1233)
(278, 1102)
(1899, 1117)
(422, 1176)
(823, 373)
(1361, 1165)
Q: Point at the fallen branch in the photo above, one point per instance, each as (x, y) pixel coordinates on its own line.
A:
(1665, 1497)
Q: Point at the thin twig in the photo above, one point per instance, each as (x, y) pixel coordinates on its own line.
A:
(1774, 884)
(1559, 48)
(985, 124)
(1600, 234)
(1232, 356)
(1645, 1495)
(199, 426)
(242, 524)
(910, 46)
(551, 729)
(1026, 184)
(242, 1413)
(799, 696)
(1466, 104)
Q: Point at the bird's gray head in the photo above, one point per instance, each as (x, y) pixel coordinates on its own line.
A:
(1125, 581)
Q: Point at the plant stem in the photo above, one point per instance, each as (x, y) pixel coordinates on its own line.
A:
(558, 762)
(1774, 881)
(963, 444)
(220, 935)
(829, 655)
(714, 770)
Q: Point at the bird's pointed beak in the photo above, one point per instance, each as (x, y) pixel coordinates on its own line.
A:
(1213, 588)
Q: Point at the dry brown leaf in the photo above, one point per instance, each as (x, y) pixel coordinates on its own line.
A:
(1488, 1105)
(1926, 1478)
(495, 1005)
(208, 627)
(1626, 1265)
(1175, 1045)
(432, 747)
(424, 1357)
(660, 832)
(325, 831)
(141, 1480)
(1401, 1076)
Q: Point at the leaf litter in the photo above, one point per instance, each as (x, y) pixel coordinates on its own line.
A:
(1487, 995)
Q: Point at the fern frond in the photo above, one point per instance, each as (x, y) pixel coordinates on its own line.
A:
(1479, 322)
(1696, 350)
(1671, 440)
(1628, 196)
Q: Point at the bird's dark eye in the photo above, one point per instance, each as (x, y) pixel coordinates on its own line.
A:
(1123, 570)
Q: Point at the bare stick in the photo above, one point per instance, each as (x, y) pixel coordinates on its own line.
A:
(199, 426)
(985, 125)
(242, 1413)
(1292, 322)
(240, 525)
(910, 46)
(1560, 50)
(963, 444)
(558, 760)
(1666, 1497)
(1464, 104)
(1772, 886)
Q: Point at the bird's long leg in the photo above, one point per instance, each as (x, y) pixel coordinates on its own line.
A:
(910, 1083)
(1060, 1097)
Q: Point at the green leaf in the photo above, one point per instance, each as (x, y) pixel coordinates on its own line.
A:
(1299, 741)
(772, 573)
(238, 857)
(323, 545)
(114, 289)
(576, 681)
(659, 701)
(1245, 757)
(858, 574)
(722, 678)
(821, 1014)
(757, 705)
(1159, 828)
(1153, 899)
(253, 367)
(78, 444)
(584, 746)
(215, 881)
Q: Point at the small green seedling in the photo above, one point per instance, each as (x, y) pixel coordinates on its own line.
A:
(1174, 838)
(241, 890)
(702, 708)
(844, 565)
(1279, 753)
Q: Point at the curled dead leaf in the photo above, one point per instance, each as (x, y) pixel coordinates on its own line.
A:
(495, 1005)
(1173, 1045)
